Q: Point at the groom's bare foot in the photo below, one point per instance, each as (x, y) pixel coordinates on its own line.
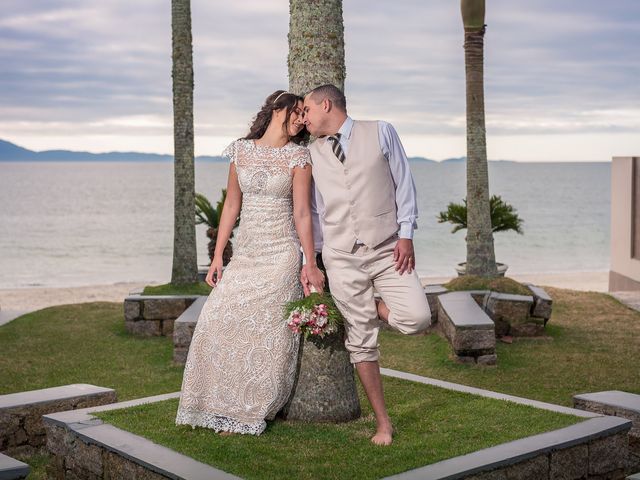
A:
(226, 434)
(383, 436)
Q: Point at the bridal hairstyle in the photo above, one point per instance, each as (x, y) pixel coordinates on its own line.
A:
(276, 101)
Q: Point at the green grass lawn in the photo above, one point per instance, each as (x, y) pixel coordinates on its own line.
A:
(592, 346)
(84, 343)
(197, 288)
(432, 424)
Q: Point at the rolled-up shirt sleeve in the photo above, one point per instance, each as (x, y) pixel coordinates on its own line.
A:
(407, 207)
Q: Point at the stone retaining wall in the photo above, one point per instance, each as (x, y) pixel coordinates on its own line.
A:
(83, 447)
(619, 404)
(596, 448)
(154, 315)
(21, 427)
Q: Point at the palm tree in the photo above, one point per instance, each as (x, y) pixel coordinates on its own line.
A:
(325, 388)
(480, 251)
(205, 213)
(503, 216)
(185, 260)
(316, 45)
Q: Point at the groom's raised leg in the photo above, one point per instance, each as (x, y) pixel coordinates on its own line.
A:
(403, 297)
(369, 373)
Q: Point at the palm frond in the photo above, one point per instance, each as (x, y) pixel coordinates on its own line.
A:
(205, 213)
(503, 216)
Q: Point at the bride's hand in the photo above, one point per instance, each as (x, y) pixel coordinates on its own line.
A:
(215, 272)
(315, 277)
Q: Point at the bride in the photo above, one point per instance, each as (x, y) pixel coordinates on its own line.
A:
(242, 360)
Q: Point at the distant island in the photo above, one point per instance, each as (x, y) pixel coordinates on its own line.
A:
(10, 152)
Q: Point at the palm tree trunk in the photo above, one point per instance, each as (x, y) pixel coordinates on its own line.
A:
(325, 388)
(480, 249)
(185, 261)
(316, 45)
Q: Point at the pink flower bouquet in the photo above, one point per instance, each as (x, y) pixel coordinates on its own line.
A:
(313, 315)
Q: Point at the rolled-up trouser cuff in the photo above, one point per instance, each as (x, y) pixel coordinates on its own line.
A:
(364, 356)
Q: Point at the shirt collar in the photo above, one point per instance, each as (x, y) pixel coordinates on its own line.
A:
(347, 126)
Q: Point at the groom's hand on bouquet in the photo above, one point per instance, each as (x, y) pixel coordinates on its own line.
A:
(403, 256)
(215, 272)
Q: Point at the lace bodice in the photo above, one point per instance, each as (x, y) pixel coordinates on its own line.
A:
(265, 170)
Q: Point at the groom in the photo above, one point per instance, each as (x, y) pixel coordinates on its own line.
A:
(365, 213)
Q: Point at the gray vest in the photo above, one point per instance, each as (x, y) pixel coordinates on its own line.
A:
(359, 195)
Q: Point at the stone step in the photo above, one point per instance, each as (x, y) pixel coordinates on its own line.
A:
(21, 428)
(12, 469)
(468, 328)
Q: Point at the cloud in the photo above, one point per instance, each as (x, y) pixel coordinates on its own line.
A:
(90, 68)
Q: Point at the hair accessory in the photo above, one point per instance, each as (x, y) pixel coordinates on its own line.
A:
(283, 93)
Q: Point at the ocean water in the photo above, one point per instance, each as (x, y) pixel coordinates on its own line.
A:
(82, 223)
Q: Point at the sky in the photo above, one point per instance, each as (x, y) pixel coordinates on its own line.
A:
(562, 77)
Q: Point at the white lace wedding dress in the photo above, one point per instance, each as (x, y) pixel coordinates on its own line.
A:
(242, 360)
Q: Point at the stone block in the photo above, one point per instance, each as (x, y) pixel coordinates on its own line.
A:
(182, 334)
(167, 327)
(487, 359)
(132, 309)
(527, 329)
(608, 455)
(465, 359)
(474, 342)
(9, 425)
(535, 468)
(85, 457)
(55, 468)
(569, 463)
(117, 467)
(432, 292)
(144, 328)
(180, 355)
(512, 309)
(542, 303)
(161, 308)
(59, 443)
(467, 327)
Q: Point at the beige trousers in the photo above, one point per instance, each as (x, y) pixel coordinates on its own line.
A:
(353, 276)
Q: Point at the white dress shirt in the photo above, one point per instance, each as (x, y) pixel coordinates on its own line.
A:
(391, 146)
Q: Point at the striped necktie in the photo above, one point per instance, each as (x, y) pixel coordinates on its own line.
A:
(337, 148)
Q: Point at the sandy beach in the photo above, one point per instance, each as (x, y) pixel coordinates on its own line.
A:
(16, 301)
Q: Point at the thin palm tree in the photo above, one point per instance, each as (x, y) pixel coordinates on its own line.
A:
(480, 250)
(325, 388)
(185, 261)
